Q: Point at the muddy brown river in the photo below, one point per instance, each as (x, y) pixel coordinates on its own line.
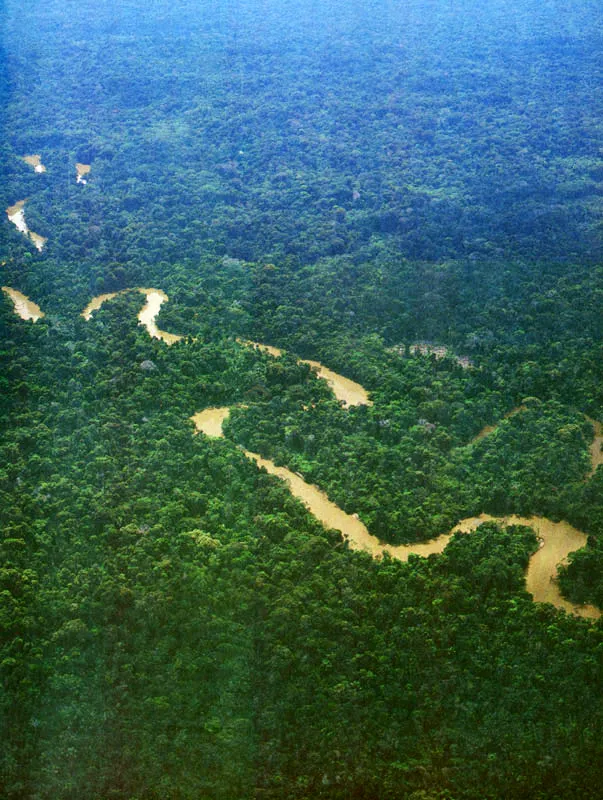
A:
(490, 428)
(345, 390)
(557, 539)
(146, 316)
(35, 162)
(596, 453)
(24, 307)
(81, 171)
(16, 215)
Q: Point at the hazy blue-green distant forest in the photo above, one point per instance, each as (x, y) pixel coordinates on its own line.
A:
(341, 180)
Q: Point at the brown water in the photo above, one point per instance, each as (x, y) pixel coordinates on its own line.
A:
(35, 162)
(210, 420)
(489, 428)
(558, 539)
(24, 307)
(16, 215)
(345, 390)
(96, 303)
(317, 502)
(265, 348)
(155, 298)
(39, 241)
(82, 170)
(354, 531)
(596, 454)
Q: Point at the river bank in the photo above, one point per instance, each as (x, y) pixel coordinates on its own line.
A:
(558, 539)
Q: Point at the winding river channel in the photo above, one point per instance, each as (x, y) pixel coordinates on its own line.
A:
(16, 215)
(155, 298)
(557, 539)
(345, 390)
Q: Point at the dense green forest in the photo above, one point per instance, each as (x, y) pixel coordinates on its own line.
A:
(338, 181)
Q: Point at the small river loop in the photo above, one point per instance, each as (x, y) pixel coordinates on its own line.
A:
(155, 298)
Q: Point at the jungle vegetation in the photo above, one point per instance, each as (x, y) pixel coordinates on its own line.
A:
(340, 183)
